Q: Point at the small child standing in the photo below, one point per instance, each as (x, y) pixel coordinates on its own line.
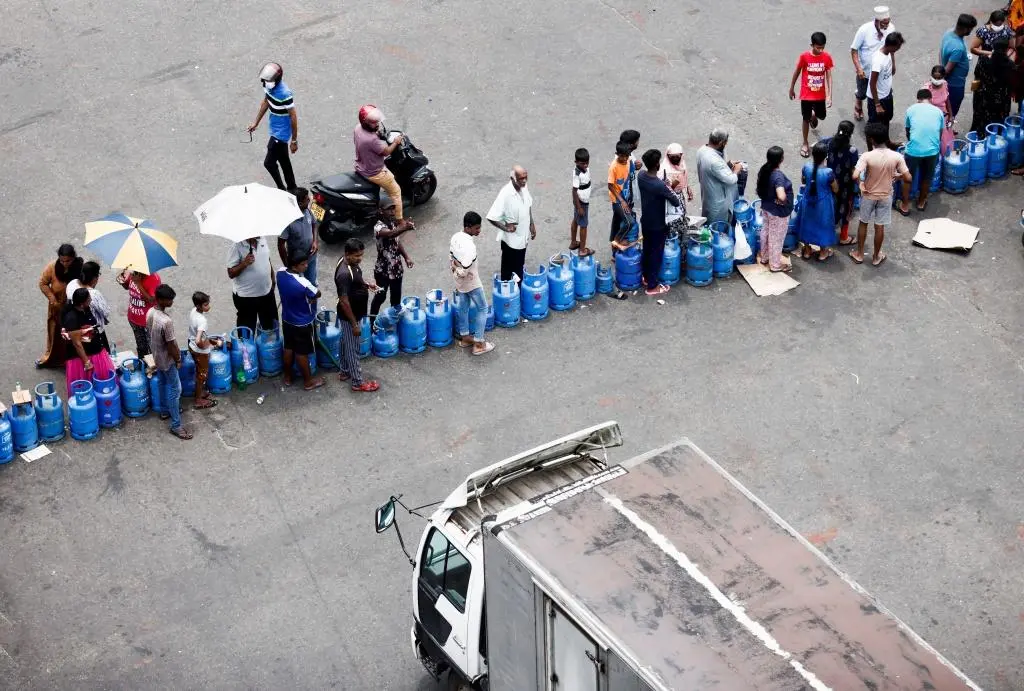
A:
(580, 203)
(200, 344)
(815, 87)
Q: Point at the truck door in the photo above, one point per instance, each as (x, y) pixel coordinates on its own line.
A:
(572, 656)
(442, 590)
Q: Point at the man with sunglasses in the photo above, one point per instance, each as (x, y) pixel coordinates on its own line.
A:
(283, 124)
(512, 213)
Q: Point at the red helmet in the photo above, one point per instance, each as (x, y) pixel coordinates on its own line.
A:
(370, 114)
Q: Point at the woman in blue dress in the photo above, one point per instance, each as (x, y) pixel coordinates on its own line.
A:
(816, 223)
(842, 159)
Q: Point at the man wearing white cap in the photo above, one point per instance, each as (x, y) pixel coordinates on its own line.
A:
(866, 42)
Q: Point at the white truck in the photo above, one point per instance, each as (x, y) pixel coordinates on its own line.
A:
(555, 570)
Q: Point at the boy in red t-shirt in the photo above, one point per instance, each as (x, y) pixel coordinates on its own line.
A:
(815, 87)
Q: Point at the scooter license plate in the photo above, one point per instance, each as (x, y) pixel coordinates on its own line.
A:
(317, 211)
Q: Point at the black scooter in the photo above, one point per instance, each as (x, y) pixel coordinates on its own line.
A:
(345, 205)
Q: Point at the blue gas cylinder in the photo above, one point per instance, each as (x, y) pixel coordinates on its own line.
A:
(219, 381)
(135, 387)
(440, 319)
(584, 276)
(328, 339)
(742, 211)
(312, 360)
(998, 151)
(49, 412)
(6, 438)
(23, 427)
(792, 230)
(385, 332)
(956, 168)
(83, 415)
(365, 337)
(605, 284)
(897, 184)
(412, 329)
(270, 351)
(534, 294)
(723, 248)
(936, 184)
(506, 302)
(156, 393)
(671, 262)
(561, 283)
(699, 262)
(627, 268)
(187, 373)
(757, 222)
(489, 322)
(108, 400)
(244, 361)
(977, 155)
(1015, 140)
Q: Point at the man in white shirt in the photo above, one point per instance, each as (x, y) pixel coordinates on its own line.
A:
(883, 68)
(866, 42)
(252, 278)
(512, 213)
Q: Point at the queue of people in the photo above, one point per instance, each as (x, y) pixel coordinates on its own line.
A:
(78, 314)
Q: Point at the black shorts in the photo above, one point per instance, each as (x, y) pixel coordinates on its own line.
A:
(298, 339)
(812, 109)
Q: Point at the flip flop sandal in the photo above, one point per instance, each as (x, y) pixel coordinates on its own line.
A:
(922, 208)
(880, 261)
(316, 385)
(805, 151)
(848, 241)
(586, 252)
(902, 212)
(344, 377)
(367, 387)
(463, 344)
(488, 347)
(828, 255)
(783, 270)
(181, 433)
(855, 260)
(208, 403)
(574, 246)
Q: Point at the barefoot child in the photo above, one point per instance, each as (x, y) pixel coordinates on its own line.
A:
(580, 203)
(200, 343)
(815, 87)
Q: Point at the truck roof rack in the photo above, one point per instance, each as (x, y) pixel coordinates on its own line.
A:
(568, 449)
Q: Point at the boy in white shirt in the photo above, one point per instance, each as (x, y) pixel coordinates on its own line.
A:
(580, 203)
(200, 344)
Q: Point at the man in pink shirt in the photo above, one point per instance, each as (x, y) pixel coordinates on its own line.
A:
(371, 150)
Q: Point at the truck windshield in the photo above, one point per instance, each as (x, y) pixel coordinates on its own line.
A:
(444, 570)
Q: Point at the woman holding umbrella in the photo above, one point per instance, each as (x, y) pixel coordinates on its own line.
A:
(53, 284)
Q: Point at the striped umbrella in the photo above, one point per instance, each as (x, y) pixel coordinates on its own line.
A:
(123, 241)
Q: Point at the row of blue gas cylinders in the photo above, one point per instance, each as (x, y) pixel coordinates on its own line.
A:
(26, 425)
(983, 156)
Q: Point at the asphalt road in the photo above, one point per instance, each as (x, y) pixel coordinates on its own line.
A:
(876, 410)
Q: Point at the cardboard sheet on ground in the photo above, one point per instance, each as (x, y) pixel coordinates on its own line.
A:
(763, 282)
(945, 234)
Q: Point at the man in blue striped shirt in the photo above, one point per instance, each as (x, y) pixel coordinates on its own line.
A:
(283, 125)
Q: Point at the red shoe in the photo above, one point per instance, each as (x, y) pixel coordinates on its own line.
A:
(367, 386)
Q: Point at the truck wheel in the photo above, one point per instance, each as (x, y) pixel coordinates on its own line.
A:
(457, 683)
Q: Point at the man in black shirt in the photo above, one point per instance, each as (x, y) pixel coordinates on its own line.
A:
(353, 296)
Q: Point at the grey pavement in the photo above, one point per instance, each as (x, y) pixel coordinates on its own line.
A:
(878, 410)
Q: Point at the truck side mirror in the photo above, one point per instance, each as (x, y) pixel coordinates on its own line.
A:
(384, 516)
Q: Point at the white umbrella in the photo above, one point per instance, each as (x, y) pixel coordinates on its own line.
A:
(241, 212)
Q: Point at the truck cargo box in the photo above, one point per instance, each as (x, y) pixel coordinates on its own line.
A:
(664, 572)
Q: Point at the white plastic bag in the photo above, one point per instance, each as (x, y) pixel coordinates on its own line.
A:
(742, 249)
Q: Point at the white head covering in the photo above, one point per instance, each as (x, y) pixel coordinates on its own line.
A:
(881, 12)
(463, 249)
(674, 149)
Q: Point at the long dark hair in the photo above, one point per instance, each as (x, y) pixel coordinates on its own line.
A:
(773, 161)
(819, 152)
(841, 141)
(66, 275)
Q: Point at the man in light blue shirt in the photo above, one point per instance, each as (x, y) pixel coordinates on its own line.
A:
(955, 59)
(924, 123)
(283, 125)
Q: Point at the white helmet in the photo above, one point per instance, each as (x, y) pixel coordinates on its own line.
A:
(271, 74)
(463, 249)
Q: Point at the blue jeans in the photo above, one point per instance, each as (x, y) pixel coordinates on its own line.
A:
(476, 296)
(171, 386)
(956, 96)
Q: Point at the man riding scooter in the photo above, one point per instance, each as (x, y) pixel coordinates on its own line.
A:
(371, 150)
